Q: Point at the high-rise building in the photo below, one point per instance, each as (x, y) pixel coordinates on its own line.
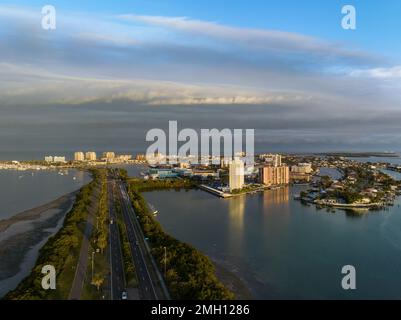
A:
(273, 160)
(109, 155)
(90, 156)
(270, 175)
(79, 156)
(236, 174)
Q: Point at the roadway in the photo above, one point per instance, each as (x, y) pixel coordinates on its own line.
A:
(138, 248)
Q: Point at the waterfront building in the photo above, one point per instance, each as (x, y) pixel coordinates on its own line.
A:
(90, 156)
(109, 156)
(270, 175)
(184, 165)
(304, 168)
(124, 157)
(140, 157)
(162, 173)
(300, 177)
(236, 174)
(79, 156)
(273, 160)
(59, 159)
(204, 173)
(156, 158)
(49, 158)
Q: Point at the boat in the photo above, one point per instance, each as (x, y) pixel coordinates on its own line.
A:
(153, 209)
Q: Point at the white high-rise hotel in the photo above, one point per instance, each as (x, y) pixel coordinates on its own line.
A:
(236, 174)
(79, 156)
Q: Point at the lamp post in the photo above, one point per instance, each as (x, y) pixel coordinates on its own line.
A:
(165, 262)
(93, 262)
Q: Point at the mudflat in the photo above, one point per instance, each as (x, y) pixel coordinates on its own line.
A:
(34, 213)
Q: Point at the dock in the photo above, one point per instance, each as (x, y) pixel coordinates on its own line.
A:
(214, 191)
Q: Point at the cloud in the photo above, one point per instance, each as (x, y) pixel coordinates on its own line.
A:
(271, 40)
(379, 73)
(41, 86)
(157, 60)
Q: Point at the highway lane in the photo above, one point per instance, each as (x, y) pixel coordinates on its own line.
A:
(146, 286)
(117, 278)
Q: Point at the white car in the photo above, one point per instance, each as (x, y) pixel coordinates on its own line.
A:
(124, 296)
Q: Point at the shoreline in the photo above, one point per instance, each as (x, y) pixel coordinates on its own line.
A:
(232, 281)
(27, 232)
(35, 213)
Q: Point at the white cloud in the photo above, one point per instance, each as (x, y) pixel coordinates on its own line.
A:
(41, 86)
(258, 38)
(172, 60)
(380, 73)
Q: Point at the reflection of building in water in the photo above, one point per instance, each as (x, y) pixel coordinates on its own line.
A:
(236, 211)
(278, 196)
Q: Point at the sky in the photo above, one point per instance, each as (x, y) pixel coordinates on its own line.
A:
(285, 68)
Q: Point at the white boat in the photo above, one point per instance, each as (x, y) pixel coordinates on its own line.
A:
(153, 209)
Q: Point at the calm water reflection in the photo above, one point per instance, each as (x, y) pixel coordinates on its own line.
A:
(284, 249)
(22, 190)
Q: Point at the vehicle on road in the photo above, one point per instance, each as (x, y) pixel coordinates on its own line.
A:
(124, 296)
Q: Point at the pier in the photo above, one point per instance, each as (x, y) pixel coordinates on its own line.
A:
(216, 192)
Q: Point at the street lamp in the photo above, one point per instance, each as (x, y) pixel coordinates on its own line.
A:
(165, 262)
(93, 261)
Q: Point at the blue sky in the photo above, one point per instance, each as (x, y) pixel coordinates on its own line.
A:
(287, 60)
(378, 21)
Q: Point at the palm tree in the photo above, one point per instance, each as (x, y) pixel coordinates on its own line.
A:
(98, 280)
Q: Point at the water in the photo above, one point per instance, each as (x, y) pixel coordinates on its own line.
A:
(22, 190)
(392, 160)
(20, 243)
(283, 249)
(133, 170)
(331, 172)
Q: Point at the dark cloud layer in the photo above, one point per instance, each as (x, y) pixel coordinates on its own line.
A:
(104, 81)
